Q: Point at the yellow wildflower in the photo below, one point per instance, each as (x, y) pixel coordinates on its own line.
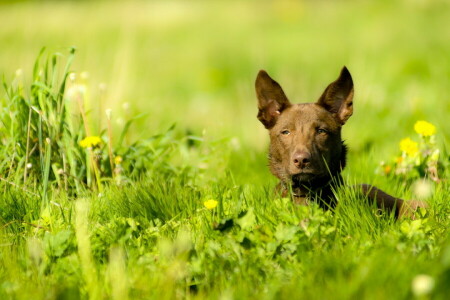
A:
(410, 147)
(90, 141)
(424, 128)
(118, 159)
(398, 160)
(387, 169)
(210, 204)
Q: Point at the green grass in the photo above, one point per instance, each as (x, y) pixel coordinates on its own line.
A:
(79, 223)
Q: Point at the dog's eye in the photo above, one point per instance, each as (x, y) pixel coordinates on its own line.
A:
(285, 132)
(322, 131)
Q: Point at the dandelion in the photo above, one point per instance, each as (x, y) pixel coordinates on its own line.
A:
(424, 128)
(82, 89)
(235, 144)
(75, 91)
(422, 285)
(108, 113)
(210, 204)
(84, 75)
(120, 121)
(417, 159)
(408, 146)
(72, 77)
(422, 189)
(90, 141)
(118, 160)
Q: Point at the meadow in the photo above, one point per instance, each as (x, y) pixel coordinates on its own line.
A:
(132, 164)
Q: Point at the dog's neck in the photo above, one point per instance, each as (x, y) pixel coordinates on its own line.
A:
(320, 190)
(322, 193)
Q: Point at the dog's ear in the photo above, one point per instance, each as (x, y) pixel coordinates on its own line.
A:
(338, 97)
(271, 99)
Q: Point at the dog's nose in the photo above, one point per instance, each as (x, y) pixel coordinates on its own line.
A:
(301, 159)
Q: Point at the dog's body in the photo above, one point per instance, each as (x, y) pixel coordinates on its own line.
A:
(306, 151)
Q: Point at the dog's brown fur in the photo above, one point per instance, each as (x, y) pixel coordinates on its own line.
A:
(306, 150)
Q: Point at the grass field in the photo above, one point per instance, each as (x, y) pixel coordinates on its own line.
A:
(136, 113)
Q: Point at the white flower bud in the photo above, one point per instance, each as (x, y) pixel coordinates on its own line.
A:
(422, 285)
(108, 113)
(72, 77)
(84, 75)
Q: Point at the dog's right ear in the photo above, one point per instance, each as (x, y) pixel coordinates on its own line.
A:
(271, 99)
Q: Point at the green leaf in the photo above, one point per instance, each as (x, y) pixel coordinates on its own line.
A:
(286, 233)
(247, 220)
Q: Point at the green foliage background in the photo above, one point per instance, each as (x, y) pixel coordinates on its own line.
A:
(193, 63)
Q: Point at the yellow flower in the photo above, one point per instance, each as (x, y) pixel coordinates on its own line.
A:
(118, 159)
(90, 141)
(410, 147)
(387, 169)
(424, 128)
(210, 204)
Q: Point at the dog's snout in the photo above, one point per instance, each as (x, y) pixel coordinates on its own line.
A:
(301, 159)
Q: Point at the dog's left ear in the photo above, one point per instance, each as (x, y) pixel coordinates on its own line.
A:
(338, 97)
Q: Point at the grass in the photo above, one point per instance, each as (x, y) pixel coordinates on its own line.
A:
(125, 219)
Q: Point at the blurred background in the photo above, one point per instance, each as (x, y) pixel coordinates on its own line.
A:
(193, 63)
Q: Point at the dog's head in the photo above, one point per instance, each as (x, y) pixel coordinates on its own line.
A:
(305, 139)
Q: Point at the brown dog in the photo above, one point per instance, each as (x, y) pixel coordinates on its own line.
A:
(306, 151)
